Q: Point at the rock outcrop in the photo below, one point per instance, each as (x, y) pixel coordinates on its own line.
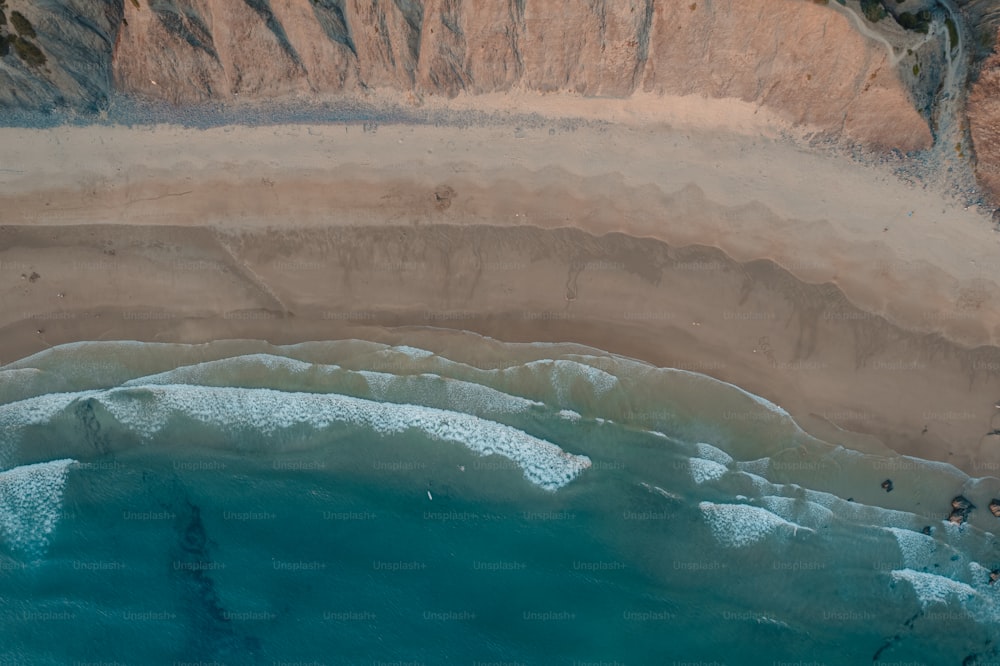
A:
(57, 54)
(984, 122)
(961, 508)
(798, 58)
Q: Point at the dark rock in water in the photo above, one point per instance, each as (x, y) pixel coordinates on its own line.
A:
(995, 507)
(887, 485)
(194, 539)
(91, 426)
(212, 632)
(961, 503)
(994, 576)
(961, 508)
(926, 530)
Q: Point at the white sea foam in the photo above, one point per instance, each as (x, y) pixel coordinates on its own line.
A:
(16, 416)
(412, 352)
(801, 511)
(469, 397)
(432, 390)
(199, 372)
(934, 589)
(59, 352)
(661, 492)
(761, 485)
(427, 389)
(856, 512)
(36, 410)
(954, 531)
(601, 381)
(939, 465)
(31, 505)
(916, 549)
(18, 378)
(703, 471)
(483, 400)
(565, 374)
(18, 373)
(763, 402)
(985, 608)
(569, 415)
(741, 525)
(817, 507)
(710, 452)
(979, 573)
(146, 410)
(988, 608)
(760, 467)
(378, 382)
(88, 364)
(760, 400)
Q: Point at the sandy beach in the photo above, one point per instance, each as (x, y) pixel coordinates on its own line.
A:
(863, 304)
(512, 332)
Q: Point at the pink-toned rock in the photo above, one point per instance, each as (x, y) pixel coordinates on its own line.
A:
(984, 122)
(801, 59)
(804, 61)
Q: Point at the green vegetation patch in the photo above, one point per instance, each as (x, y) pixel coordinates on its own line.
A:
(29, 53)
(919, 22)
(873, 10)
(952, 33)
(22, 25)
(916, 70)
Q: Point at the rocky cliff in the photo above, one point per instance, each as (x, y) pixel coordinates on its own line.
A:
(984, 122)
(802, 59)
(57, 54)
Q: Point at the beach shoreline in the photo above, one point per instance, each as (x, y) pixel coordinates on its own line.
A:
(857, 301)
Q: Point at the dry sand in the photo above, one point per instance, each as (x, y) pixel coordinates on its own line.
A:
(853, 299)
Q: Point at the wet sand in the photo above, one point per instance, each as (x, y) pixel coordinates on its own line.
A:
(858, 302)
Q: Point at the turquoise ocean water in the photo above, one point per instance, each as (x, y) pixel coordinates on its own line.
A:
(356, 503)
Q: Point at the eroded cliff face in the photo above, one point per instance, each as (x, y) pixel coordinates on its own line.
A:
(799, 58)
(796, 57)
(56, 54)
(984, 122)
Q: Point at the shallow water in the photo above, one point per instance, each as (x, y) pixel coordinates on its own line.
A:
(349, 502)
